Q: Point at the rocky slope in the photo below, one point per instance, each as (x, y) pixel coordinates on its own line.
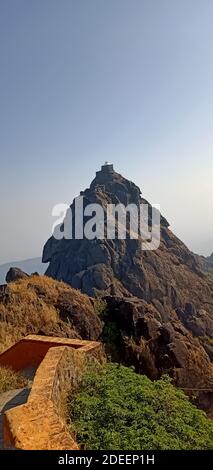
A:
(159, 303)
(132, 329)
(136, 334)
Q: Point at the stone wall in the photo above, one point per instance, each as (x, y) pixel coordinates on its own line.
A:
(40, 423)
(31, 350)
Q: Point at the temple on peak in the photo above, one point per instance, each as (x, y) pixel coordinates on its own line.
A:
(107, 167)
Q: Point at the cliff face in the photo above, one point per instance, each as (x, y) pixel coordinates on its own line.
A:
(160, 302)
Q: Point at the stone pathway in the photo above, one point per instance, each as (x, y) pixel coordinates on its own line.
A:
(9, 400)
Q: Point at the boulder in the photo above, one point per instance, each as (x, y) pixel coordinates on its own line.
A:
(14, 274)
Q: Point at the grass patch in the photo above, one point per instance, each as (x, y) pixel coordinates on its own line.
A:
(115, 408)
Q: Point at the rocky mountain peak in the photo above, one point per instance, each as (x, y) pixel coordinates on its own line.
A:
(109, 181)
(121, 266)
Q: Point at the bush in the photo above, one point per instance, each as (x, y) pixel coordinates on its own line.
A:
(10, 380)
(116, 408)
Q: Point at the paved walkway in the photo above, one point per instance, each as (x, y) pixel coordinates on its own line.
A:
(9, 400)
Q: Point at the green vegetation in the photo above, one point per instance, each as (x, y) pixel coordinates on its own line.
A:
(111, 334)
(116, 408)
(10, 380)
(100, 306)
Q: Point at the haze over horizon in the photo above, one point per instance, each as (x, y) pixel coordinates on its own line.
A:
(84, 82)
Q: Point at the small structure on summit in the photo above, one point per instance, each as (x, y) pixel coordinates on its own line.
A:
(107, 168)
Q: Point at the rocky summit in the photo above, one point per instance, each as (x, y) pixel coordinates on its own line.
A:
(159, 303)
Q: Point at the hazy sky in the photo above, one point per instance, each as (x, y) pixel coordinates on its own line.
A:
(84, 81)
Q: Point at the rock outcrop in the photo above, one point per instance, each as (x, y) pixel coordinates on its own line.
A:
(14, 274)
(135, 333)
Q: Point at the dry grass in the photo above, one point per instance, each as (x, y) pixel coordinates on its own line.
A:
(10, 380)
(8, 335)
(31, 306)
(24, 312)
(50, 290)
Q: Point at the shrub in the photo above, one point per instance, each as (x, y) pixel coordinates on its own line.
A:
(115, 408)
(100, 307)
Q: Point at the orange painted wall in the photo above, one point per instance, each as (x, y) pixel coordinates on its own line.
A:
(30, 351)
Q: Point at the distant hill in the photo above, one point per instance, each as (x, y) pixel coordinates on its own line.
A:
(29, 266)
(206, 263)
(210, 259)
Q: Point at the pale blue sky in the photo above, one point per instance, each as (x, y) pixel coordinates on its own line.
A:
(84, 81)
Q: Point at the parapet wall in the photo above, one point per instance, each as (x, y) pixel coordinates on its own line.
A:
(31, 350)
(40, 423)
